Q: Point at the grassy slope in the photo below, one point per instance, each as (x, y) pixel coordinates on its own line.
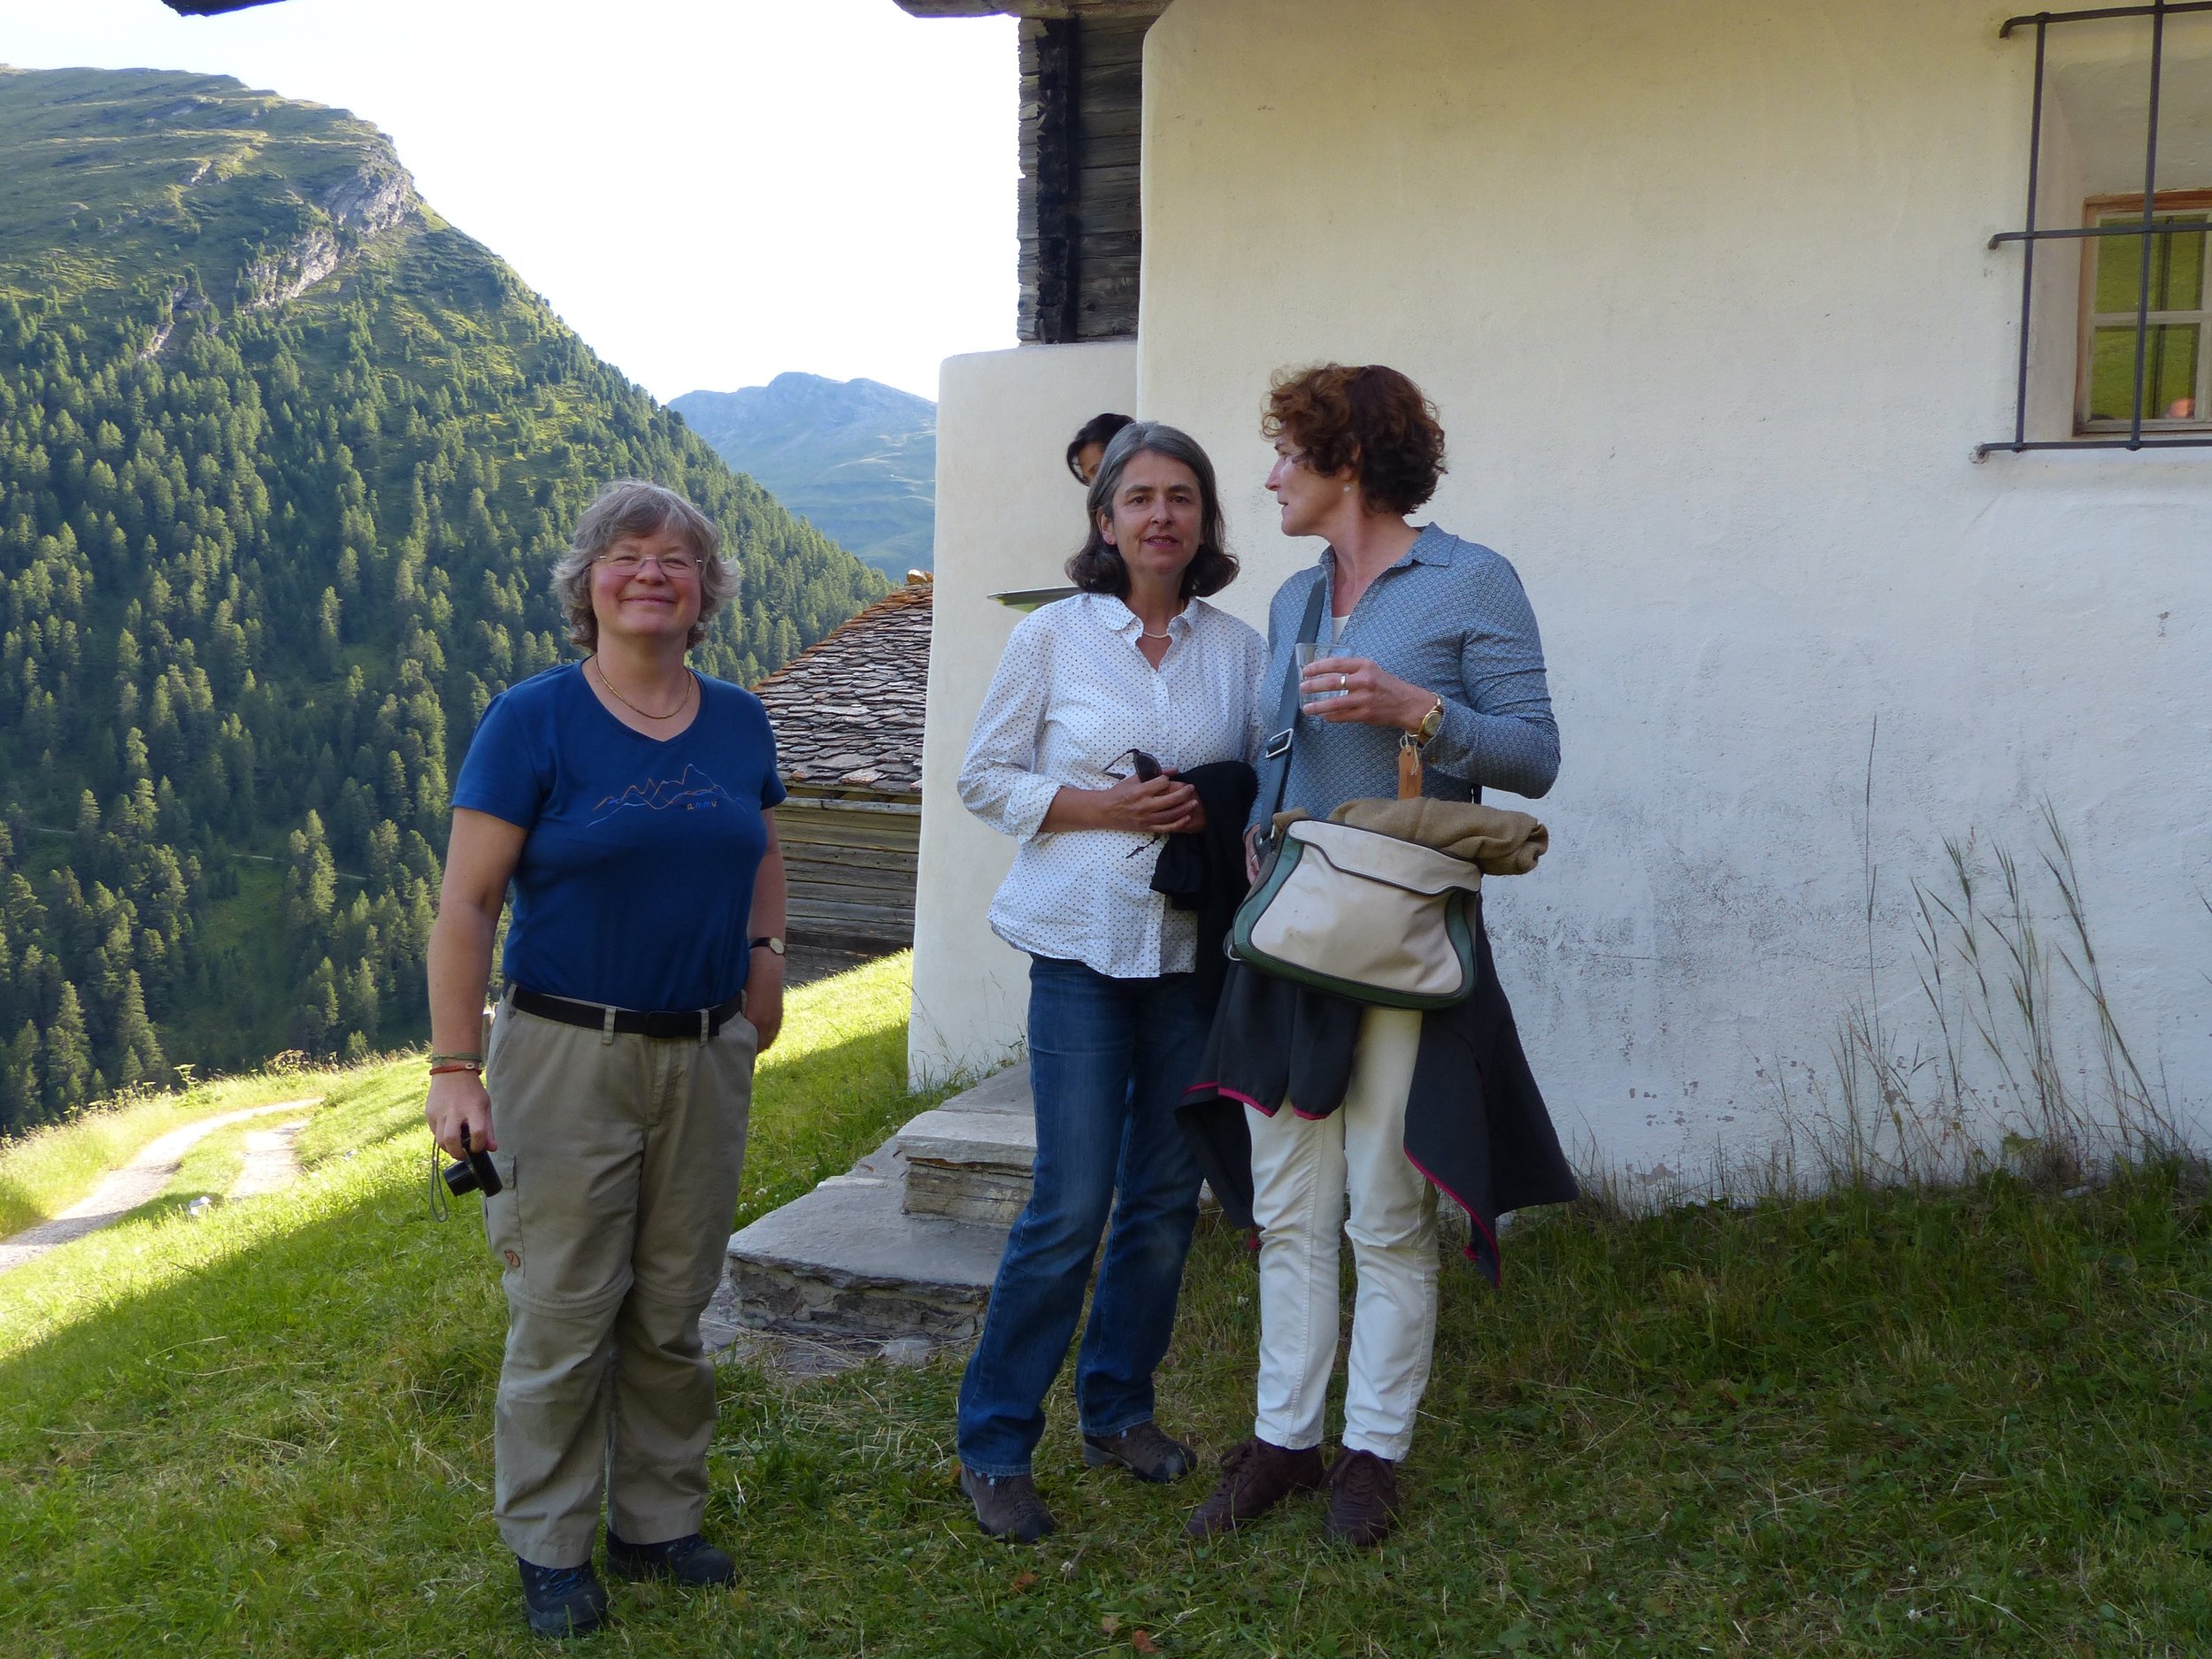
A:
(44, 1173)
(1890, 1423)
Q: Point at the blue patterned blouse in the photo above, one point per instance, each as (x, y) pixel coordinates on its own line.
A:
(1449, 617)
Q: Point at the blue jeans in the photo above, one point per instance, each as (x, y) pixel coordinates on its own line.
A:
(1108, 1059)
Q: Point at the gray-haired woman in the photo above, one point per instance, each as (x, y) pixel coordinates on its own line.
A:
(626, 798)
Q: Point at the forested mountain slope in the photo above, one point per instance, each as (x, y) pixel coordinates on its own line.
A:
(858, 457)
(284, 460)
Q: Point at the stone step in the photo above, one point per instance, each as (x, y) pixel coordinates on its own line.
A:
(907, 1242)
(970, 1159)
(848, 1260)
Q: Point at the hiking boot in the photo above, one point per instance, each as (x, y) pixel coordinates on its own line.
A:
(687, 1560)
(563, 1601)
(1254, 1478)
(1143, 1451)
(1363, 1498)
(1007, 1505)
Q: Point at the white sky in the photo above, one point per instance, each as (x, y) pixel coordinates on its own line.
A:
(709, 191)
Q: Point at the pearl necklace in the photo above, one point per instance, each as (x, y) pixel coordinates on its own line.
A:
(682, 703)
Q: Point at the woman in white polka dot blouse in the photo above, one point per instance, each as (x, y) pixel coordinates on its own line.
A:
(1099, 701)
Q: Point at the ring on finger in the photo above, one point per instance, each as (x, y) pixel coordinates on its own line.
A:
(1343, 681)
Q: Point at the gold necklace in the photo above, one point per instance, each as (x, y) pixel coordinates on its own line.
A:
(682, 703)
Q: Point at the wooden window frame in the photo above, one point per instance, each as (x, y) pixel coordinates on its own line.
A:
(2096, 209)
(2193, 434)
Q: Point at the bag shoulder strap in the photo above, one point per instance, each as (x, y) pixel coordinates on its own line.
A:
(1275, 756)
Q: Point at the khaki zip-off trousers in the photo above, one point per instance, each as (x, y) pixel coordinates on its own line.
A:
(621, 1156)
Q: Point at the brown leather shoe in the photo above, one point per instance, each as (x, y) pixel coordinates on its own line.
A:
(1363, 1498)
(1254, 1478)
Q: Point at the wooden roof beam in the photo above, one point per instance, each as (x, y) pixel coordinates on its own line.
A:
(1050, 9)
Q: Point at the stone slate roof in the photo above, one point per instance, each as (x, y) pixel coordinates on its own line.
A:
(848, 711)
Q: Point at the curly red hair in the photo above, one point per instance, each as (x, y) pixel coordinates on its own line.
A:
(1369, 418)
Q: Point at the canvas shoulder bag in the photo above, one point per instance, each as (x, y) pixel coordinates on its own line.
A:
(1364, 915)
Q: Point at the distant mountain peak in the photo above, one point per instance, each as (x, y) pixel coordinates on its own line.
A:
(271, 197)
(858, 457)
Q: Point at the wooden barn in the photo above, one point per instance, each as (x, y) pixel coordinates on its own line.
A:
(847, 715)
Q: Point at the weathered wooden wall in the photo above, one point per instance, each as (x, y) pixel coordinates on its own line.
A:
(850, 866)
(1082, 108)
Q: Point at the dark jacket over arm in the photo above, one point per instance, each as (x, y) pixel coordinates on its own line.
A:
(1476, 1124)
(1204, 870)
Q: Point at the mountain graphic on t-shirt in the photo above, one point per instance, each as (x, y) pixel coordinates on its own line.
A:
(691, 791)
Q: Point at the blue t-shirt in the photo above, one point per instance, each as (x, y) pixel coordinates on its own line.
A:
(636, 884)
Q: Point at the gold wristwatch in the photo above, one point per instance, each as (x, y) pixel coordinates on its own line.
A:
(1431, 723)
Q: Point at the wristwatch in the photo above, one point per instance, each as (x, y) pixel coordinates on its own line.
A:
(769, 941)
(1431, 723)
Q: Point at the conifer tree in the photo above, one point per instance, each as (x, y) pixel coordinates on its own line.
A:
(67, 1070)
(137, 1048)
(359, 1006)
(19, 1102)
(319, 1008)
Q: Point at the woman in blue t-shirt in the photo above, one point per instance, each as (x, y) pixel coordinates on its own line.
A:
(626, 799)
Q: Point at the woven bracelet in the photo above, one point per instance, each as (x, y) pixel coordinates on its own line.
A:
(440, 1071)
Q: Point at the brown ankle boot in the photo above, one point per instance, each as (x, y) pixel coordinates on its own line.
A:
(1363, 1498)
(1007, 1505)
(1145, 1451)
(1254, 1478)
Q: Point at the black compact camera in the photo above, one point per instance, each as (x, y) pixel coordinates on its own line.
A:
(473, 1173)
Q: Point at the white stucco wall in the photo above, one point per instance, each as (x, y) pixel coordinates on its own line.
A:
(1008, 516)
(1702, 293)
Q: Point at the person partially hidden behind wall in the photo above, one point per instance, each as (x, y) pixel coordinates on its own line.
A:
(1087, 447)
(626, 798)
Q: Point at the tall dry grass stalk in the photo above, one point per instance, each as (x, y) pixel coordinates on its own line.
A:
(2028, 1067)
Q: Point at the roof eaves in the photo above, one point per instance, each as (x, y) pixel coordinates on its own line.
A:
(1033, 8)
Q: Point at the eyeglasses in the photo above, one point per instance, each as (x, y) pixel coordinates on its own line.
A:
(1146, 769)
(631, 564)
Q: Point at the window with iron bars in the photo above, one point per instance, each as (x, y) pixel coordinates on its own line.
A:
(2121, 93)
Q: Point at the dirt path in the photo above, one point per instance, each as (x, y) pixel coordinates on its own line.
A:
(121, 1191)
(272, 1164)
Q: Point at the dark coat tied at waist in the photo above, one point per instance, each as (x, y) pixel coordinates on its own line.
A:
(1476, 1124)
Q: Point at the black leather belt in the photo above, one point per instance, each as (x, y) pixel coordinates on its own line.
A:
(696, 1024)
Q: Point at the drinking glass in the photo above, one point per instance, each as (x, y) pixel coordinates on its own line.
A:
(1308, 652)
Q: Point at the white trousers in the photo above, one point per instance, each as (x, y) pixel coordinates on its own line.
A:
(1302, 1171)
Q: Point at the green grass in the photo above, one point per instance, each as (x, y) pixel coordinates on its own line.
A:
(1936, 1423)
(47, 1170)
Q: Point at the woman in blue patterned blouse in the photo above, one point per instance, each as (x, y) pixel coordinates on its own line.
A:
(1425, 639)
